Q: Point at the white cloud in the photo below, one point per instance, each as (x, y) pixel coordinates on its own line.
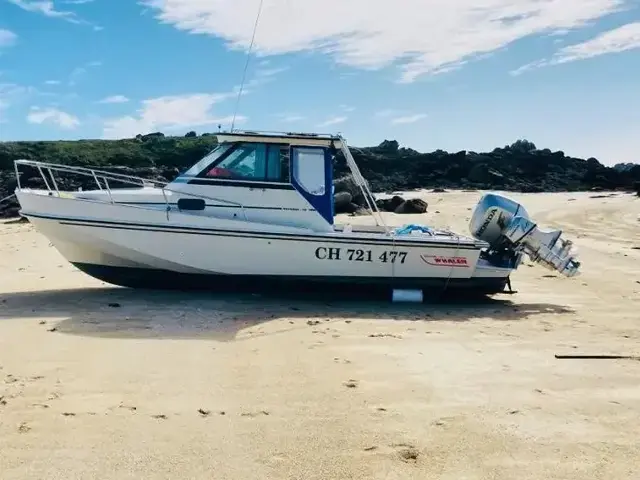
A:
(289, 117)
(75, 74)
(170, 112)
(387, 113)
(11, 93)
(52, 82)
(347, 75)
(115, 99)
(400, 117)
(53, 115)
(7, 38)
(261, 77)
(333, 121)
(270, 72)
(618, 40)
(47, 8)
(408, 119)
(78, 72)
(419, 36)
(10, 89)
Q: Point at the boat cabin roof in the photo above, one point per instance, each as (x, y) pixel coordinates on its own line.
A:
(290, 138)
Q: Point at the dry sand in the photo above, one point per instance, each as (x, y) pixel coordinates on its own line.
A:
(110, 383)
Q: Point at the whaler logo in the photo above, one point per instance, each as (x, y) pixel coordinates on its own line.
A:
(445, 261)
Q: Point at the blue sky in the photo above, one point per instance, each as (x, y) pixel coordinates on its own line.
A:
(463, 74)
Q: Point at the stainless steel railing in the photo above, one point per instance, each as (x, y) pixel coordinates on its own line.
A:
(101, 179)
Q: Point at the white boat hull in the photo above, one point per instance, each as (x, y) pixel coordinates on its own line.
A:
(139, 247)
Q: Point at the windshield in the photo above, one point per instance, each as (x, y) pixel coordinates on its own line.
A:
(207, 160)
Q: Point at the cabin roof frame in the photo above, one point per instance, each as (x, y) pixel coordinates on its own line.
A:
(294, 139)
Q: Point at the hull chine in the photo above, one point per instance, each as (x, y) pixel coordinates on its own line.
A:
(158, 279)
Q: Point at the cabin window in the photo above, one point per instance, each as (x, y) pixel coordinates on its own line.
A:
(245, 162)
(253, 161)
(309, 169)
(215, 154)
(278, 169)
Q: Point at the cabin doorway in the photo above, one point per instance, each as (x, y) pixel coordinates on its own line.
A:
(312, 178)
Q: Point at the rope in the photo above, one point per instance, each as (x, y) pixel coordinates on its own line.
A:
(246, 65)
(446, 285)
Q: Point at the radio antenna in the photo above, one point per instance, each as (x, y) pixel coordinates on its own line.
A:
(246, 65)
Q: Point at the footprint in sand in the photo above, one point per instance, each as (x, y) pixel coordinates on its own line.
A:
(382, 335)
(407, 452)
(128, 407)
(345, 361)
(254, 414)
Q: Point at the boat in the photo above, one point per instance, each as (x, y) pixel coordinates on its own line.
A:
(257, 212)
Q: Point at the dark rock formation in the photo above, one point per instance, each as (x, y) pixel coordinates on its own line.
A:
(342, 201)
(348, 196)
(413, 205)
(390, 204)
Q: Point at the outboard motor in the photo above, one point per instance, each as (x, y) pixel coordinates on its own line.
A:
(506, 227)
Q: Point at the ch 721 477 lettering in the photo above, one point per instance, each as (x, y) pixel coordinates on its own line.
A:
(359, 255)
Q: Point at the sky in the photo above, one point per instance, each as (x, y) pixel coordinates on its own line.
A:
(432, 74)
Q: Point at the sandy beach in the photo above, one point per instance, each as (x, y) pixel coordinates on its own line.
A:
(111, 383)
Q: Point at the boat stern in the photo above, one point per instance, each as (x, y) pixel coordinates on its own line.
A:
(506, 226)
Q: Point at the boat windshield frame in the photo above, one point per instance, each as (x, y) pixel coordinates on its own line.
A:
(210, 158)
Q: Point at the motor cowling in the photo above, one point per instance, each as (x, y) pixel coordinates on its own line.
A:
(506, 225)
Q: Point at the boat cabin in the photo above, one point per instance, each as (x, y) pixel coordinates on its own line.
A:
(283, 179)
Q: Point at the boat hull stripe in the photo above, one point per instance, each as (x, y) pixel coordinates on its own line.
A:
(248, 234)
(214, 205)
